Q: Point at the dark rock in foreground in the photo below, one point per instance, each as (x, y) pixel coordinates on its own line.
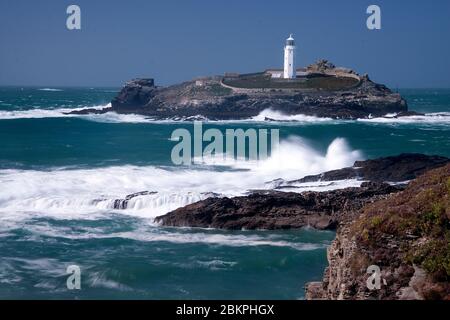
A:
(212, 98)
(277, 210)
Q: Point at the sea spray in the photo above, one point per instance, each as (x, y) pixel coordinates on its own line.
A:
(252, 144)
(64, 193)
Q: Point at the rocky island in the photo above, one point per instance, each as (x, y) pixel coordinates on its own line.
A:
(321, 90)
(397, 219)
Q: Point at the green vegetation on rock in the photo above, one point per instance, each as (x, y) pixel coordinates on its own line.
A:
(411, 228)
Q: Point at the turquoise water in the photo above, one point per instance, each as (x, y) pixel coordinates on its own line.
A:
(59, 176)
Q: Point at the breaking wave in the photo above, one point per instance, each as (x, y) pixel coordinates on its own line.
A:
(268, 115)
(44, 113)
(428, 118)
(108, 117)
(87, 193)
(50, 89)
(272, 115)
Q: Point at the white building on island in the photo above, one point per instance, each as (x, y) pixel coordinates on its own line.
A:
(289, 59)
(289, 71)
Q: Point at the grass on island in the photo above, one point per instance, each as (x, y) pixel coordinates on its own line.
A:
(264, 81)
(210, 89)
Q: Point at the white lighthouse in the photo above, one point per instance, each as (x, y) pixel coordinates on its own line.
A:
(289, 55)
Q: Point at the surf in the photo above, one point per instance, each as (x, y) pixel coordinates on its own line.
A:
(66, 193)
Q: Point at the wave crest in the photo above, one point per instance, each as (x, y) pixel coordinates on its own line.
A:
(428, 118)
(272, 115)
(64, 193)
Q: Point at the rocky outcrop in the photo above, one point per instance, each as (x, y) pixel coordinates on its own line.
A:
(277, 210)
(210, 98)
(274, 209)
(321, 66)
(407, 236)
(135, 93)
(400, 168)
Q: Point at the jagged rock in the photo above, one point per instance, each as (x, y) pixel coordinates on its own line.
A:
(314, 291)
(277, 210)
(322, 210)
(403, 167)
(321, 66)
(136, 92)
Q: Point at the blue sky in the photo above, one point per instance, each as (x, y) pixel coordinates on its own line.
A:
(173, 41)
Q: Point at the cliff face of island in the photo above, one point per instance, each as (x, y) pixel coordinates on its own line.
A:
(323, 91)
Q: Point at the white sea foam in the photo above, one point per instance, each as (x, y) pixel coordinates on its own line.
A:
(267, 115)
(148, 233)
(100, 280)
(50, 89)
(391, 118)
(88, 193)
(218, 239)
(108, 117)
(114, 117)
(320, 185)
(270, 115)
(44, 113)
(216, 264)
(428, 118)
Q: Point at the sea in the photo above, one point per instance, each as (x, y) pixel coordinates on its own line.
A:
(60, 175)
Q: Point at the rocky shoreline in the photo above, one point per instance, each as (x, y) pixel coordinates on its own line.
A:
(403, 228)
(274, 209)
(319, 94)
(406, 236)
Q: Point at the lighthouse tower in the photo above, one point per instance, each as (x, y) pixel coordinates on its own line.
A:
(289, 52)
